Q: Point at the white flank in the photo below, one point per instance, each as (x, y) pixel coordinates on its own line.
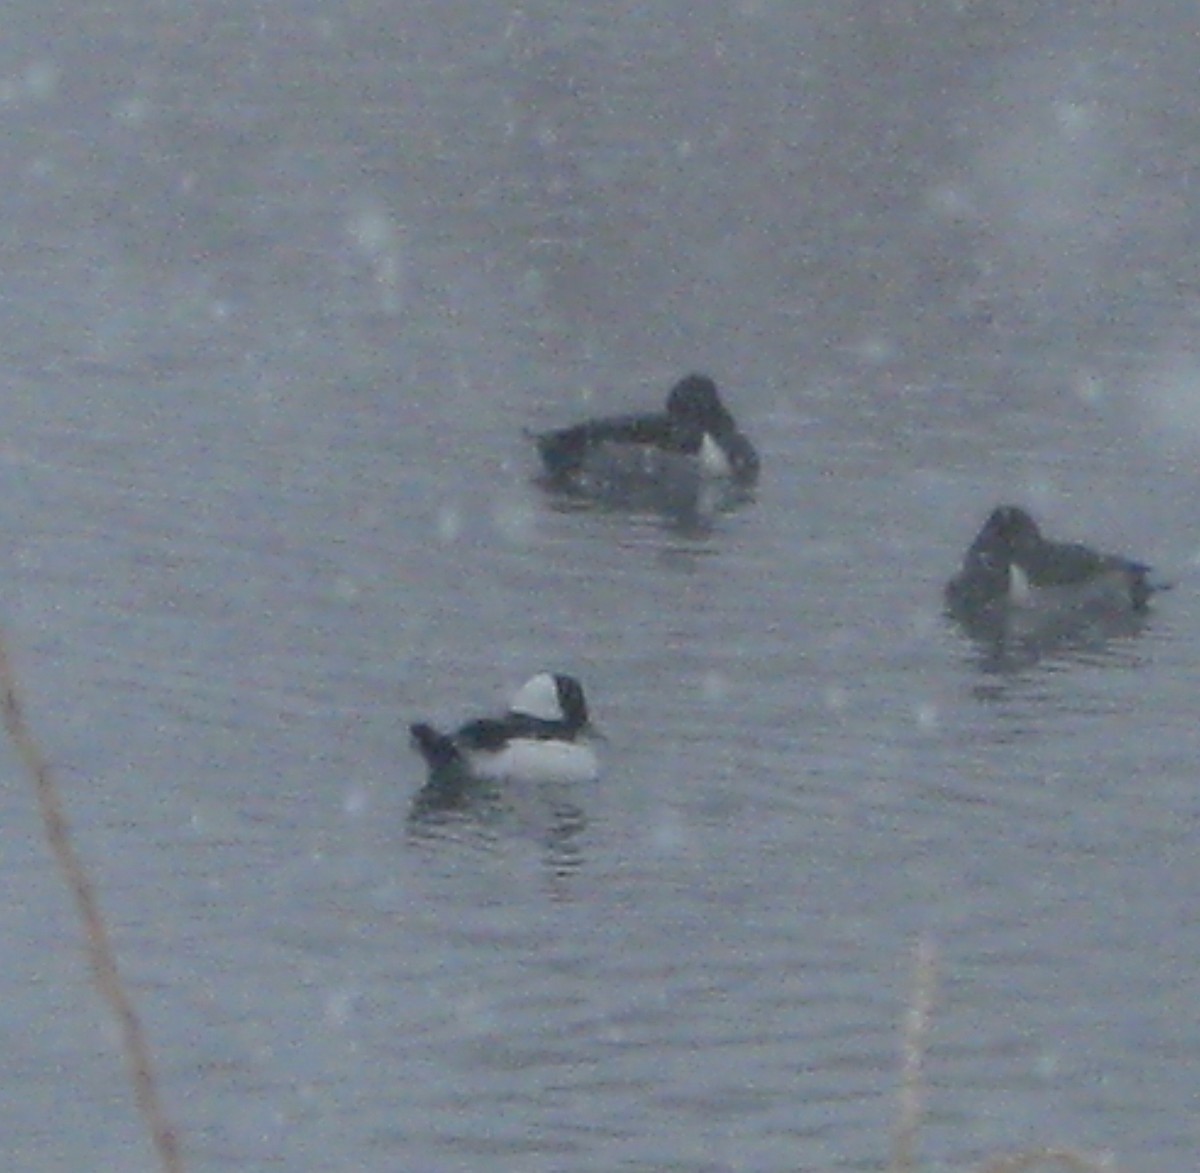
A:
(713, 461)
(538, 698)
(530, 760)
(1019, 588)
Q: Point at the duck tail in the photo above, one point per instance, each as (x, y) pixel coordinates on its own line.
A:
(438, 750)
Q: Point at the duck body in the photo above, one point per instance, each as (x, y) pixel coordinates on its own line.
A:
(543, 737)
(692, 446)
(1013, 576)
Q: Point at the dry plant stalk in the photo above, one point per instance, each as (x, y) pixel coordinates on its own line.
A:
(917, 1020)
(100, 955)
(1036, 1158)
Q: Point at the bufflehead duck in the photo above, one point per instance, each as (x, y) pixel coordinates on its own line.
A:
(1010, 567)
(544, 737)
(693, 443)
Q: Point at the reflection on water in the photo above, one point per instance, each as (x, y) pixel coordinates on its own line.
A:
(691, 508)
(1005, 643)
(545, 814)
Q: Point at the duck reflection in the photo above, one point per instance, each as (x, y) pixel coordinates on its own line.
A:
(453, 805)
(1002, 649)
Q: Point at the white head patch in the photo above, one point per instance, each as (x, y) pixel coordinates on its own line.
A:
(538, 698)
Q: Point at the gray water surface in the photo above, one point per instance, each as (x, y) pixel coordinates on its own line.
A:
(284, 288)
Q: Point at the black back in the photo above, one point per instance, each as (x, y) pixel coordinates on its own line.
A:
(693, 408)
(490, 733)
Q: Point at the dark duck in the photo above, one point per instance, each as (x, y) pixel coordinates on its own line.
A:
(657, 457)
(1012, 572)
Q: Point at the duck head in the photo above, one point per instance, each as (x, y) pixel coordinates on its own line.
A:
(695, 402)
(552, 697)
(1008, 536)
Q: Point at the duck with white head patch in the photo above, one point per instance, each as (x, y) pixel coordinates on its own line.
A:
(545, 736)
(1010, 568)
(653, 457)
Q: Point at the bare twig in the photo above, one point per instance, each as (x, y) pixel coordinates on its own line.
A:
(917, 1021)
(1036, 1158)
(99, 949)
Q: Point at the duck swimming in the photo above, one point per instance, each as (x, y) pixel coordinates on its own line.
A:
(636, 458)
(543, 737)
(1011, 569)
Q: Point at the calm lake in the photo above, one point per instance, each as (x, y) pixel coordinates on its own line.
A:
(284, 286)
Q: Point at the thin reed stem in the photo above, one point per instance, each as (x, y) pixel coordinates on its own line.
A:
(1037, 1158)
(100, 955)
(917, 1020)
